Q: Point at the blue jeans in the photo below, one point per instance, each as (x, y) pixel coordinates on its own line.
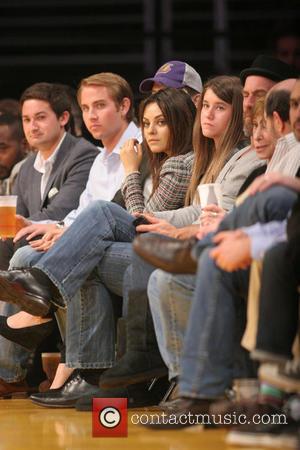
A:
(80, 249)
(87, 275)
(212, 324)
(90, 333)
(207, 361)
(170, 299)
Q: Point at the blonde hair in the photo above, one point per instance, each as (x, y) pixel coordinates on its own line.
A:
(117, 87)
(209, 160)
(259, 107)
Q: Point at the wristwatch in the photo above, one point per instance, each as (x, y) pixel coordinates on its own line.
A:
(60, 224)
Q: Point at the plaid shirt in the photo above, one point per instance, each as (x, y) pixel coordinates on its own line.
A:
(174, 179)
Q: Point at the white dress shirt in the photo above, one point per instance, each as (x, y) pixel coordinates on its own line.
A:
(265, 235)
(106, 174)
(44, 166)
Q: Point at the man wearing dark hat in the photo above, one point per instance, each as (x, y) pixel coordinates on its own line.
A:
(175, 74)
(264, 72)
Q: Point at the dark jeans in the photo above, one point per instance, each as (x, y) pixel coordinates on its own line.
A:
(279, 302)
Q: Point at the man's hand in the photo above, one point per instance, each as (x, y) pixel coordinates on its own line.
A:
(34, 229)
(48, 240)
(157, 226)
(264, 182)
(21, 222)
(233, 251)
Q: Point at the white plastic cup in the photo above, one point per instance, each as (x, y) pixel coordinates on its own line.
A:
(8, 205)
(210, 193)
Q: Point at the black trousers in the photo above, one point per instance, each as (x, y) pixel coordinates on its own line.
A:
(279, 302)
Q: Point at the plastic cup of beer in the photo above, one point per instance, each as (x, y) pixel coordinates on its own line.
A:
(8, 224)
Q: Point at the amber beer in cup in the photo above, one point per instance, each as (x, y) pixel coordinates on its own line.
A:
(8, 205)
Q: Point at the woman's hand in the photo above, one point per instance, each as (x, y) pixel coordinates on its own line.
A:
(131, 156)
(157, 226)
(186, 232)
(211, 215)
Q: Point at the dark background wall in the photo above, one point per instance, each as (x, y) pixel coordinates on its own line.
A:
(66, 40)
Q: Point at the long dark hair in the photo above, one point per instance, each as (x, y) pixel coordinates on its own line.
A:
(209, 160)
(179, 113)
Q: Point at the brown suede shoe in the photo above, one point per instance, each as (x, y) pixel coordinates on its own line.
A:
(17, 389)
(171, 255)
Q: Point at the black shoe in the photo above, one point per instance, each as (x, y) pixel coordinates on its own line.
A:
(138, 395)
(171, 255)
(66, 396)
(134, 367)
(181, 413)
(30, 289)
(28, 337)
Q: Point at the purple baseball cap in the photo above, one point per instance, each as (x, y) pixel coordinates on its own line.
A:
(176, 74)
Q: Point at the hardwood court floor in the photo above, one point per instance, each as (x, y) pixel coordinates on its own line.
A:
(24, 426)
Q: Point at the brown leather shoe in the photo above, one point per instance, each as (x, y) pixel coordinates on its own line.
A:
(171, 255)
(17, 389)
(180, 413)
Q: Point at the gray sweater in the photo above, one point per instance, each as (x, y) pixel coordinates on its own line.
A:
(231, 177)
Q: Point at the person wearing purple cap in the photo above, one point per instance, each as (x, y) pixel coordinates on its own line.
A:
(176, 74)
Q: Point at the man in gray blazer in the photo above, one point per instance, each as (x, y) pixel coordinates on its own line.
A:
(48, 186)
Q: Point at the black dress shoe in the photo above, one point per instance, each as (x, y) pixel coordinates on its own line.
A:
(138, 396)
(28, 337)
(66, 396)
(171, 255)
(181, 413)
(134, 367)
(30, 289)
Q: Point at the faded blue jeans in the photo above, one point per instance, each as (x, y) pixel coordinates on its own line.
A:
(87, 265)
(207, 363)
(216, 299)
(170, 299)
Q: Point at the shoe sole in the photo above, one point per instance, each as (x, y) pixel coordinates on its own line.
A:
(14, 293)
(134, 379)
(53, 405)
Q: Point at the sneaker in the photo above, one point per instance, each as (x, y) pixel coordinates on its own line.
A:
(285, 377)
(272, 435)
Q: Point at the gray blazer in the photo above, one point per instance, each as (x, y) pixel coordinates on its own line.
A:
(67, 180)
(231, 177)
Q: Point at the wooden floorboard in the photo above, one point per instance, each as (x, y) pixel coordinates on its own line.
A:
(25, 426)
